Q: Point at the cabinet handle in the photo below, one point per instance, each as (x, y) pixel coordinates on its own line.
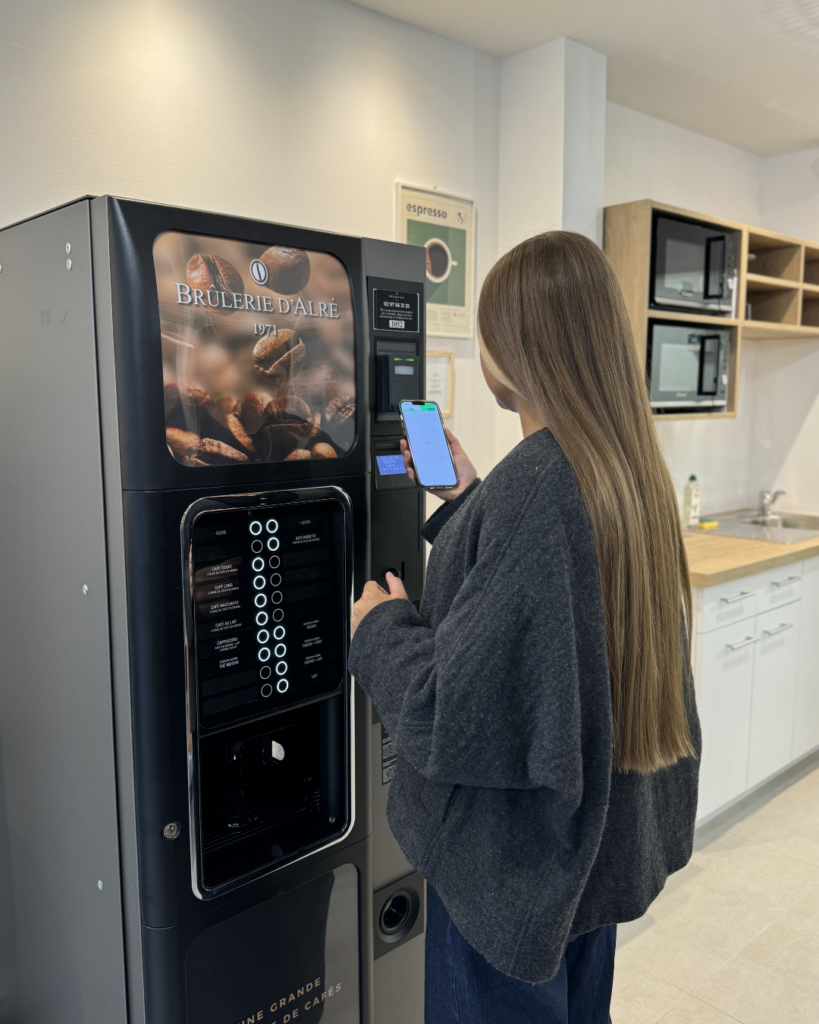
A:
(779, 629)
(784, 583)
(738, 597)
(744, 643)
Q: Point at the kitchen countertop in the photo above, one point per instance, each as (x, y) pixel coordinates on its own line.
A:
(718, 559)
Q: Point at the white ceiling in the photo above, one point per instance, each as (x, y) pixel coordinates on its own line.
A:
(744, 71)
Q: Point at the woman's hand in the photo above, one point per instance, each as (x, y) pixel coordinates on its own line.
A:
(467, 474)
(373, 595)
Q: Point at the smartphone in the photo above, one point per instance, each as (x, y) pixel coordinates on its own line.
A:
(428, 445)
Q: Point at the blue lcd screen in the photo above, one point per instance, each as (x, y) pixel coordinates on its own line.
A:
(390, 465)
(430, 450)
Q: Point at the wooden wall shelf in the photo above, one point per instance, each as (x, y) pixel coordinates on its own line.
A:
(778, 285)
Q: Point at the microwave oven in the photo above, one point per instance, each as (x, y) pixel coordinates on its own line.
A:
(693, 266)
(688, 367)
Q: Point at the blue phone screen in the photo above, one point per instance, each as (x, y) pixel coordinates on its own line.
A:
(430, 451)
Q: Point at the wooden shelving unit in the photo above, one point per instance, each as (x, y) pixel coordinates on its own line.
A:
(778, 285)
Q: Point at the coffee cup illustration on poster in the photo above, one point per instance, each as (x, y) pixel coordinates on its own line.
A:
(444, 226)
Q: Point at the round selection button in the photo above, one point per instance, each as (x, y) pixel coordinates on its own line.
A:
(281, 666)
(263, 636)
(266, 690)
(265, 672)
(261, 619)
(260, 600)
(278, 614)
(282, 686)
(272, 526)
(272, 543)
(255, 527)
(274, 561)
(277, 597)
(279, 650)
(276, 579)
(258, 582)
(257, 565)
(264, 655)
(256, 546)
(278, 633)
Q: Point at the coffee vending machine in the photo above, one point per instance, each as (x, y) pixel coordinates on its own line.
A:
(200, 464)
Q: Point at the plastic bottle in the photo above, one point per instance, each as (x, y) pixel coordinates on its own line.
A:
(691, 504)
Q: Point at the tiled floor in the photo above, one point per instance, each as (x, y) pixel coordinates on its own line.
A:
(735, 935)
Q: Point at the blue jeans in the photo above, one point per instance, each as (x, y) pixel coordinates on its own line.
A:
(462, 988)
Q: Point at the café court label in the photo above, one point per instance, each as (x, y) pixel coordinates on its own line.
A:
(295, 1006)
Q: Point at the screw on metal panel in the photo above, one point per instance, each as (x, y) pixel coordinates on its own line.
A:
(99, 885)
(171, 830)
(68, 264)
(1, 268)
(85, 589)
(67, 248)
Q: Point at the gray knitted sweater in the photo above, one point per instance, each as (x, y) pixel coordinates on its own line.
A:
(497, 698)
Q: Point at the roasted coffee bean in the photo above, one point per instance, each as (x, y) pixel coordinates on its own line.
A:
(324, 451)
(221, 409)
(189, 398)
(339, 409)
(211, 273)
(253, 410)
(179, 441)
(276, 357)
(216, 453)
(288, 408)
(240, 435)
(288, 270)
(277, 440)
(297, 455)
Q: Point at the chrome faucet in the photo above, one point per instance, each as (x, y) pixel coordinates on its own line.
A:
(766, 501)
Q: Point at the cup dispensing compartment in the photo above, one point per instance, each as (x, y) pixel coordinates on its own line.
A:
(267, 619)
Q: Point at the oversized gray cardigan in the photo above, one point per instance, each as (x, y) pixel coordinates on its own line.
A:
(498, 700)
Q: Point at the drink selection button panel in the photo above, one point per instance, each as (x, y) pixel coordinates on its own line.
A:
(270, 606)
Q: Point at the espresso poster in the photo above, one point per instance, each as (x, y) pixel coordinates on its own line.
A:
(444, 226)
(258, 352)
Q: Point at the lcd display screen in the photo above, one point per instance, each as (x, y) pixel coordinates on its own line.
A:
(258, 351)
(390, 465)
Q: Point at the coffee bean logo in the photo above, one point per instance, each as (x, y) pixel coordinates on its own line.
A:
(258, 271)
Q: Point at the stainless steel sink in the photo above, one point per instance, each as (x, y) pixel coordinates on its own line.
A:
(784, 528)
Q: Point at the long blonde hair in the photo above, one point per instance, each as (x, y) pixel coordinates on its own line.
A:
(554, 328)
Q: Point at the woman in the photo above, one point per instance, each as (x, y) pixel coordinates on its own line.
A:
(541, 701)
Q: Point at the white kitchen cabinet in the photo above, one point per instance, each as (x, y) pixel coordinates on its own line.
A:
(774, 691)
(725, 603)
(725, 660)
(778, 587)
(806, 711)
(755, 653)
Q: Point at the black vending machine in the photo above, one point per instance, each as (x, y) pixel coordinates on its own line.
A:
(200, 465)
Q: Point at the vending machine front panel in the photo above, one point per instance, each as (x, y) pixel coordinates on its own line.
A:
(268, 581)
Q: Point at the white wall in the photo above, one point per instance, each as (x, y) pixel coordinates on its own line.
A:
(789, 194)
(651, 159)
(301, 111)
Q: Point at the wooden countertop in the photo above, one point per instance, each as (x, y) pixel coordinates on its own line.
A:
(716, 559)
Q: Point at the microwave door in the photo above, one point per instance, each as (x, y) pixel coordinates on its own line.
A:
(679, 264)
(715, 268)
(709, 365)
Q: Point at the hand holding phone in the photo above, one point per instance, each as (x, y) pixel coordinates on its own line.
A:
(432, 455)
